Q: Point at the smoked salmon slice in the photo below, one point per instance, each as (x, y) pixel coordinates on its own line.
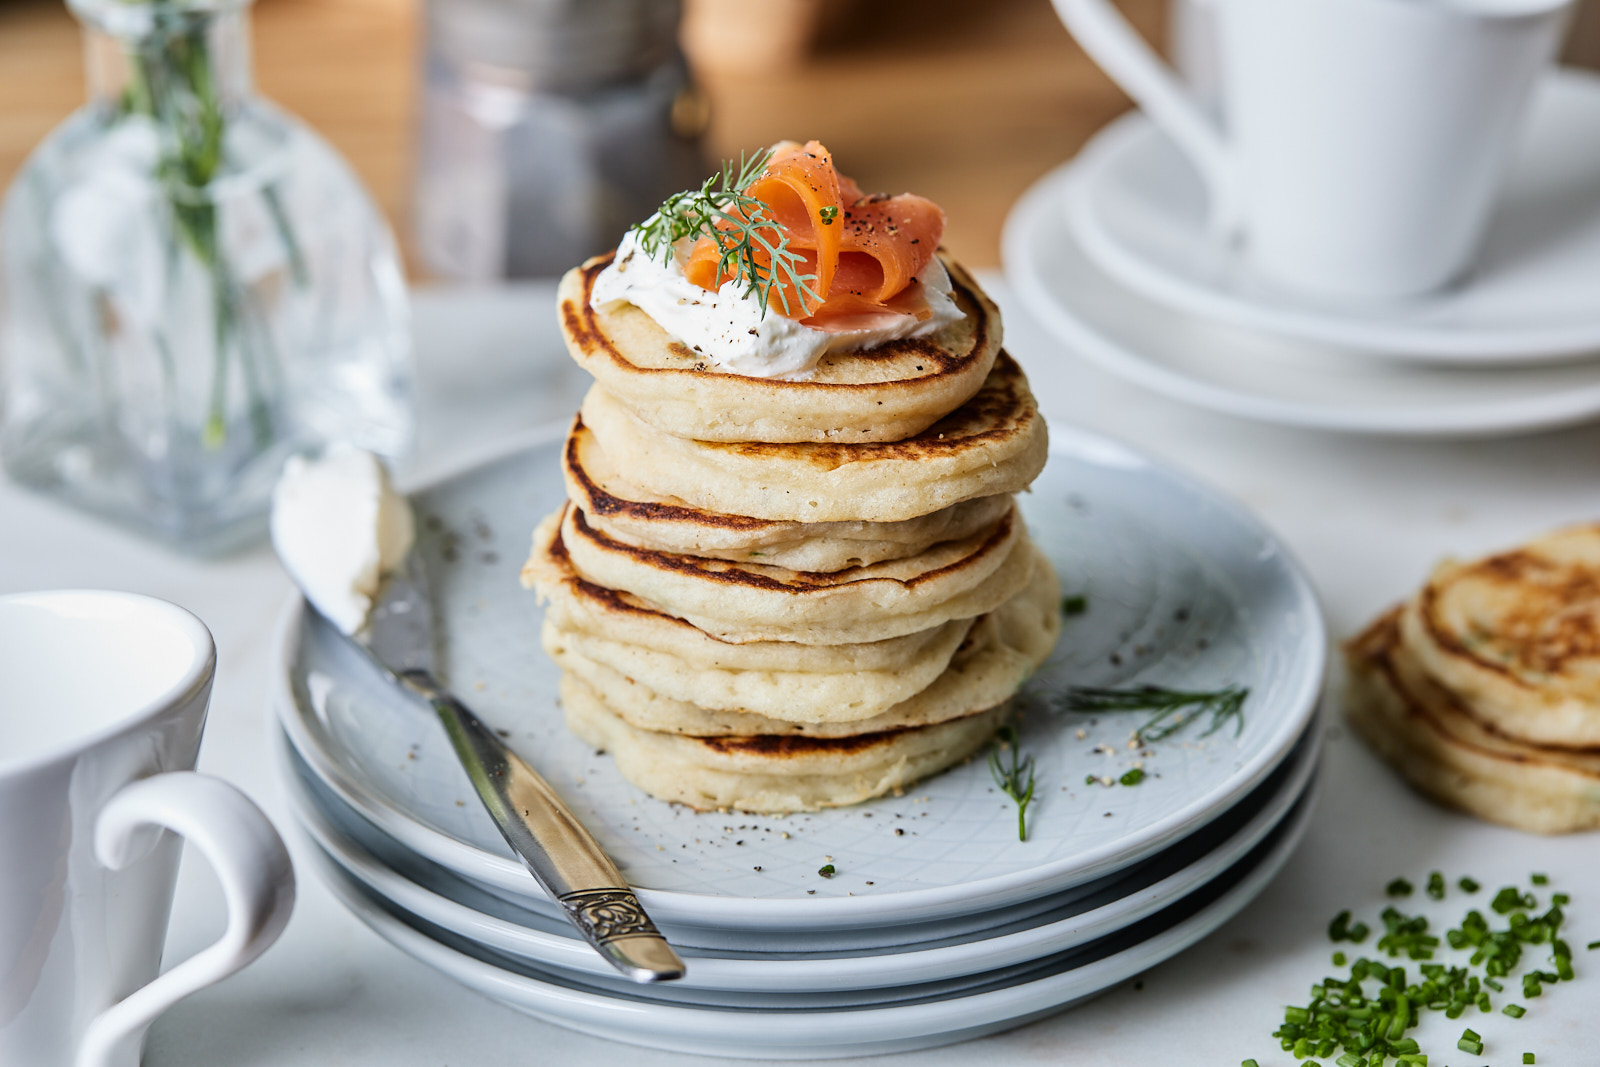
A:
(864, 251)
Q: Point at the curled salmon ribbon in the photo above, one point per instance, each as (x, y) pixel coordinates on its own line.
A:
(865, 252)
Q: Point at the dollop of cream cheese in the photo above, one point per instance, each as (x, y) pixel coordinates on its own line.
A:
(728, 327)
(339, 526)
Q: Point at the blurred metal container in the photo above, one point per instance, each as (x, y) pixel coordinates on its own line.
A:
(548, 127)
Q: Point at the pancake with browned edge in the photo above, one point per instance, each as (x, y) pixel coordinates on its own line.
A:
(1441, 747)
(624, 512)
(886, 393)
(1517, 636)
(739, 602)
(771, 773)
(994, 443)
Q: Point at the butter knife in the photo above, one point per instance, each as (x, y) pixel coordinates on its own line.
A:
(563, 856)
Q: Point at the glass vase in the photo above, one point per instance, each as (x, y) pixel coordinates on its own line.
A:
(193, 286)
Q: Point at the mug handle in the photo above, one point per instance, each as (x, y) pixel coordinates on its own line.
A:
(1116, 46)
(250, 861)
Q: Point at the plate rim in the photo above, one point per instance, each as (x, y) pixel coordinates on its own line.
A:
(835, 1033)
(947, 961)
(1435, 345)
(699, 909)
(1019, 241)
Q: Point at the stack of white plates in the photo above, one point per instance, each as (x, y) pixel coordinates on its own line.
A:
(936, 923)
(1112, 252)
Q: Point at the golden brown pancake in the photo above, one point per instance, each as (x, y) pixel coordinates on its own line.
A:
(1445, 751)
(994, 443)
(739, 602)
(985, 668)
(578, 606)
(1517, 636)
(772, 773)
(626, 513)
(886, 393)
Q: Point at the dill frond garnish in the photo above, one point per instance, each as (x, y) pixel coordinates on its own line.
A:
(1014, 777)
(755, 250)
(1174, 708)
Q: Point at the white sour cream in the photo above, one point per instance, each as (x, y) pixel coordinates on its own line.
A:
(728, 327)
(339, 527)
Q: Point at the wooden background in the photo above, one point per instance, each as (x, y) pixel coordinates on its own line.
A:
(964, 101)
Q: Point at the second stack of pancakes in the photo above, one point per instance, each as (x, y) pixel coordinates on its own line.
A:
(780, 596)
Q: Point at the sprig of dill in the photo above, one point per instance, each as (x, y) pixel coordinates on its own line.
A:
(1174, 708)
(739, 224)
(1014, 777)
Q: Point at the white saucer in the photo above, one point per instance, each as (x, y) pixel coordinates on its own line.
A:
(1139, 212)
(435, 896)
(1184, 588)
(808, 1033)
(1260, 375)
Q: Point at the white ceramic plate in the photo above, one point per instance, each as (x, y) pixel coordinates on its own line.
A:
(1183, 586)
(1140, 213)
(433, 895)
(1261, 375)
(800, 1032)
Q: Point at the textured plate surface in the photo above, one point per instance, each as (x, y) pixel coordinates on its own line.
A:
(433, 895)
(1183, 588)
(1259, 375)
(802, 1032)
(1141, 215)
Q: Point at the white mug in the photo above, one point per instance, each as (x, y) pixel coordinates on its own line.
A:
(1365, 139)
(102, 700)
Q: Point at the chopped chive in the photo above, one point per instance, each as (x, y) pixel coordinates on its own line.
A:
(1560, 900)
(1436, 886)
(1470, 1042)
(1132, 776)
(1527, 1057)
(1338, 959)
(1469, 885)
(1074, 605)
(1351, 1059)
(1248, 1063)
(1516, 1011)
(1398, 888)
(1591, 946)
(1539, 879)
(1509, 899)
(827, 870)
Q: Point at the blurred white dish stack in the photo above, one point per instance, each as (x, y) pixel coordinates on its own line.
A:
(1115, 253)
(1363, 140)
(903, 923)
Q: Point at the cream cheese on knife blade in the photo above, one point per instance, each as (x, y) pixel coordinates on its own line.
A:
(339, 527)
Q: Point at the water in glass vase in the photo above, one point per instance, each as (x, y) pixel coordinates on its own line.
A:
(193, 286)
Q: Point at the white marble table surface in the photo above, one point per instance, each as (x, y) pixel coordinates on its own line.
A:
(1366, 516)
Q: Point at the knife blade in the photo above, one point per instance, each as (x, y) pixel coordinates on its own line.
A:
(544, 833)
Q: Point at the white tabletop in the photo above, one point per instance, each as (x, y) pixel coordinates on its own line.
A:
(1366, 516)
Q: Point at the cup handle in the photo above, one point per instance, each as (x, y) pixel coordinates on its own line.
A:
(1116, 46)
(250, 861)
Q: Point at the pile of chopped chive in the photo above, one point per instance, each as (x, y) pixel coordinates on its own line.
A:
(1362, 1017)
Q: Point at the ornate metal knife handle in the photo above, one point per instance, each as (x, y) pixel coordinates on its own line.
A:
(554, 846)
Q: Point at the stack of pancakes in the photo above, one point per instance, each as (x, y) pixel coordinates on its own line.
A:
(786, 595)
(1484, 689)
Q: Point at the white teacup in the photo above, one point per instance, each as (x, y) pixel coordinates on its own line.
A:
(1365, 139)
(102, 700)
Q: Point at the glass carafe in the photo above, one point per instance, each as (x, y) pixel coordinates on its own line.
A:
(193, 286)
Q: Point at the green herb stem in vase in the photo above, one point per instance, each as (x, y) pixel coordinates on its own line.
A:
(195, 287)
